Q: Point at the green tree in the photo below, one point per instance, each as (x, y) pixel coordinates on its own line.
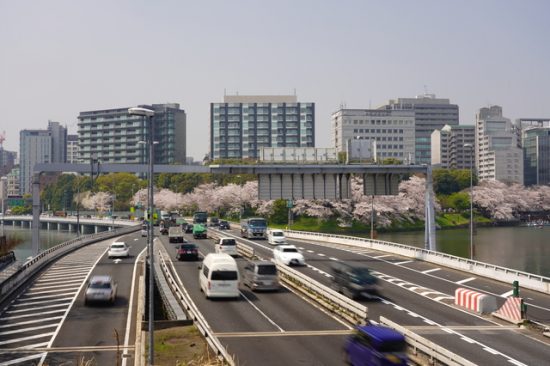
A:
(444, 182)
(280, 212)
(391, 161)
(123, 185)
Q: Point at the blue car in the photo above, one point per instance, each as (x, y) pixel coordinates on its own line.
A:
(375, 345)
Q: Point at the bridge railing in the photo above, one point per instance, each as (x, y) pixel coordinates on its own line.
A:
(28, 268)
(527, 280)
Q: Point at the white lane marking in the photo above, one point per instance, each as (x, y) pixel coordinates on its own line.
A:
(430, 270)
(426, 293)
(507, 294)
(67, 281)
(309, 251)
(447, 330)
(25, 338)
(469, 340)
(62, 271)
(465, 280)
(383, 256)
(36, 345)
(404, 262)
(45, 306)
(490, 350)
(130, 308)
(320, 254)
(136, 239)
(29, 322)
(23, 330)
(262, 313)
(429, 321)
(517, 363)
(22, 360)
(50, 296)
(33, 293)
(333, 259)
(34, 314)
(32, 303)
(46, 287)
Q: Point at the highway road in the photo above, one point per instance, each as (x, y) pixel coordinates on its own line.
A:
(268, 328)
(49, 317)
(420, 296)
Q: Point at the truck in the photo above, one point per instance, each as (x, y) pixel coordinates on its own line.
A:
(200, 217)
(175, 234)
(254, 228)
(199, 231)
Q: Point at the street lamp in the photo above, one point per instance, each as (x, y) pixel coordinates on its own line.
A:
(148, 114)
(471, 147)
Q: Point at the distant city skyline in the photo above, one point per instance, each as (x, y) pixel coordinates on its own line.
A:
(357, 54)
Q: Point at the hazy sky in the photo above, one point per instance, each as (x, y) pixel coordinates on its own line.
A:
(58, 58)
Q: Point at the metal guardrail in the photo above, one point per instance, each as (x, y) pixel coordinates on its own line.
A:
(72, 220)
(33, 265)
(428, 348)
(333, 301)
(189, 306)
(527, 280)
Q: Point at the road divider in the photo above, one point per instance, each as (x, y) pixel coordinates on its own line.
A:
(475, 301)
(511, 310)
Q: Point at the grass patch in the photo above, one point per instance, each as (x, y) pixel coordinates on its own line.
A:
(182, 346)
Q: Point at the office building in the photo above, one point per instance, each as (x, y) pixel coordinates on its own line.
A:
(7, 161)
(114, 136)
(73, 150)
(498, 152)
(448, 147)
(35, 146)
(430, 113)
(13, 182)
(242, 125)
(535, 135)
(392, 131)
(58, 134)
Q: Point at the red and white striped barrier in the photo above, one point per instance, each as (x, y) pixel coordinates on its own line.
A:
(475, 301)
(511, 310)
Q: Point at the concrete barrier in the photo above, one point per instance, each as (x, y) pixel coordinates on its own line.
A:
(475, 301)
(511, 311)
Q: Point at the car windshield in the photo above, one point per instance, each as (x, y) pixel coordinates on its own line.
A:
(224, 276)
(188, 246)
(118, 246)
(100, 285)
(228, 242)
(267, 269)
(259, 223)
(277, 233)
(361, 274)
(290, 250)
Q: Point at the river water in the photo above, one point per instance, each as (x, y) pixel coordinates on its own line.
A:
(523, 248)
(48, 239)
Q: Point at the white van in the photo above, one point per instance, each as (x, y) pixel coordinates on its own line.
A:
(276, 237)
(219, 276)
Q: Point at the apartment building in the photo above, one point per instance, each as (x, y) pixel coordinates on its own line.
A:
(73, 150)
(535, 137)
(498, 152)
(242, 125)
(114, 136)
(392, 131)
(453, 147)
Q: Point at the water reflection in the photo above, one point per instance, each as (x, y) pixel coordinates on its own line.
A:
(48, 239)
(522, 248)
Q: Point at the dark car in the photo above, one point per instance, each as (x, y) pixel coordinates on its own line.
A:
(375, 345)
(224, 225)
(353, 280)
(188, 228)
(187, 251)
(214, 221)
(164, 230)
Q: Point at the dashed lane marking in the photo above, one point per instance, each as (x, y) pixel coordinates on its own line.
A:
(17, 340)
(430, 270)
(490, 350)
(507, 294)
(465, 280)
(383, 256)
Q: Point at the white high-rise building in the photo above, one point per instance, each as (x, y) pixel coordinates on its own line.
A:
(498, 152)
(450, 147)
(391, 130)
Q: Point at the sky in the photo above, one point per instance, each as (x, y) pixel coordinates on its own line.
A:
(61, 57)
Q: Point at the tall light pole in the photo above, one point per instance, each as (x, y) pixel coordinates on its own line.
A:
(471, 147)
(149, 114)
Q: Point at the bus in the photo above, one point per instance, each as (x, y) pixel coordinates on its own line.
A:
(200, 217)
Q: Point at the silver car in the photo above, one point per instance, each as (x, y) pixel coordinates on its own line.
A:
(261, 275)
(100, 289)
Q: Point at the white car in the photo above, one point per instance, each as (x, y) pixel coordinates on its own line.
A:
(289, 255)
(118, 249)
(276, 237)
(100, 288)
